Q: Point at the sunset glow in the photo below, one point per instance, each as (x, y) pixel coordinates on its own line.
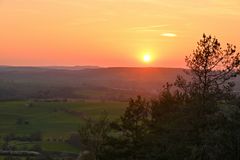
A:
(111, 32)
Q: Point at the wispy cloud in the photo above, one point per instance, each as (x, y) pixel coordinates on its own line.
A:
(169, 35)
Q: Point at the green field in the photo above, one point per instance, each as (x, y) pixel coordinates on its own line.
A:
(55, 120)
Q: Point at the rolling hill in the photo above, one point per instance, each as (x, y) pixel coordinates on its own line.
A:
(117, 83)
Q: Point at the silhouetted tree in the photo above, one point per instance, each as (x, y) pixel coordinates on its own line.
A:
(211, 68)
(134, 120)
(167, 102)
(93, 135)
(134, 125)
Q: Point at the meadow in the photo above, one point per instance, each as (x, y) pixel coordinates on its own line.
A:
(56, 121)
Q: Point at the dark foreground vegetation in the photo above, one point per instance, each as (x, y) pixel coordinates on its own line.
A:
(190, 120)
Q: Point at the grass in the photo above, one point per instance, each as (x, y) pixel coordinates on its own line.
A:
(53, 119)
(59, 147)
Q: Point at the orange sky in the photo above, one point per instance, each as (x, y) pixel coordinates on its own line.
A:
(111, 32)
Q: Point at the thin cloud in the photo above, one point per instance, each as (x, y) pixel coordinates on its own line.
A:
(169, 35)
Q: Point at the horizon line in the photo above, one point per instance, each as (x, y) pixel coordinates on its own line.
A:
(86, 66)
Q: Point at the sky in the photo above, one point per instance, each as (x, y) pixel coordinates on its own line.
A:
(111, 33)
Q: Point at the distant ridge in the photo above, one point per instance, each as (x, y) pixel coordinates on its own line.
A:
(72, 67)
(79, 67)
(85, 82)
(41, 68)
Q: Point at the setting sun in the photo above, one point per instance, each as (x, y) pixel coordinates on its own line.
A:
(147, 58)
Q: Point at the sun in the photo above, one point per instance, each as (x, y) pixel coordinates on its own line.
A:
(147, 58)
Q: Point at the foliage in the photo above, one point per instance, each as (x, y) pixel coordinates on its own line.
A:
(133, 122)
(93, 135)
(211, 68)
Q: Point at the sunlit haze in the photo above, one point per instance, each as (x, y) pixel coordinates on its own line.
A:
(147, 58)
(111, 32)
